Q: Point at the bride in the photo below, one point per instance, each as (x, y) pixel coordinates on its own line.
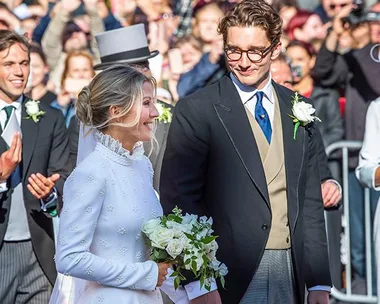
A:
(108, 198)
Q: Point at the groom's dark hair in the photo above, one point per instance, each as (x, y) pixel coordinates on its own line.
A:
(250, 13)
(9, 38)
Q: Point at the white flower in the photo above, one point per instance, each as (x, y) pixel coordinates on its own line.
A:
(160, 109)
(211, 255)
(203, 219)
(175, 247)
(204, 232)
(214, 264)
(161, 237)
(164, 113)
(190, 219)
(177, 228)
(304, 112)
(198, 259)
(33, 110)
(32, 107)
(223, 270)
(212, 246)
(150, 226)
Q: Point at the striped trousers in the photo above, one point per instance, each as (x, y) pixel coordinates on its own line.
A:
(21, 277)
(273, 281)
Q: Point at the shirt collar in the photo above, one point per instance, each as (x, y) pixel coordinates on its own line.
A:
(246, 92)
(16, 104)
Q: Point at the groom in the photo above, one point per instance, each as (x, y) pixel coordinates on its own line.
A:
(231, 155)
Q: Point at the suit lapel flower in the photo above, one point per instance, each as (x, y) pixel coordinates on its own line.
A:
(33, 110)
(165, 114)
(303, 113)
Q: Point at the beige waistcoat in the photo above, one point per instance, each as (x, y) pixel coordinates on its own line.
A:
(272, 157)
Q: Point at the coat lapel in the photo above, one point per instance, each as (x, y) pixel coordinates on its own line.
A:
(232, 114)
(294, 151)
(29, 131)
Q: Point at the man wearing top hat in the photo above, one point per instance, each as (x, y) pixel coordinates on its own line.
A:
(127, 45)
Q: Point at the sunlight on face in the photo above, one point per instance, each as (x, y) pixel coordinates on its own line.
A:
(250, 38)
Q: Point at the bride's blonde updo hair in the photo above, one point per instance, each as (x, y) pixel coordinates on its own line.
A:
(120, 86)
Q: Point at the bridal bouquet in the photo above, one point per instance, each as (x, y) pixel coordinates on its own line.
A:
(187, 242)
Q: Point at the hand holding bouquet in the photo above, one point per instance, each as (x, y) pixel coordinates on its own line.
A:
(187, 242)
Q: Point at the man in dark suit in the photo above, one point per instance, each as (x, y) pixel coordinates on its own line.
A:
(26, 229)
(128, 46)
(232, 154)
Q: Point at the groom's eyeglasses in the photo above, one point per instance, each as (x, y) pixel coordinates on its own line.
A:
(255, 56)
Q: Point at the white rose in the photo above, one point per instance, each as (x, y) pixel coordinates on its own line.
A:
(161, 237)
(303, 112)
(175, 247)
(177, 228)
(32, 107)
(150, 226)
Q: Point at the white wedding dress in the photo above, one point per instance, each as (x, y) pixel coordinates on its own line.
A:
(101, 249)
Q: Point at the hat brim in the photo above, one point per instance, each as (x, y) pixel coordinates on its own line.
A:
(105, 65)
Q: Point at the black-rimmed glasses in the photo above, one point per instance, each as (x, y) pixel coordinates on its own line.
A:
(254, 56)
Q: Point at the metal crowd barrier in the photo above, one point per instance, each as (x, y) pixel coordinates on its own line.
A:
(348, 296)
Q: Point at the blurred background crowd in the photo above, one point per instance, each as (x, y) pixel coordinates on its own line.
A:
(329, 55)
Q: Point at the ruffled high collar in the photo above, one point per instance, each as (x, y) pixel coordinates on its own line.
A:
(113, 148)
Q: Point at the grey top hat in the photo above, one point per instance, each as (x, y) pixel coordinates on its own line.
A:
(124, 45)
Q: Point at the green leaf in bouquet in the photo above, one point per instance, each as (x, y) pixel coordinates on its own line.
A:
(174, 274)
(177, 281)
(223, 282)
(187, 261)
(202, 281)
(194, 266)
(189, 236)
(160, 255)
(174, 218)
(163, 221)
(208, 287)
(182, 276)
(205, 260)
(209, 239)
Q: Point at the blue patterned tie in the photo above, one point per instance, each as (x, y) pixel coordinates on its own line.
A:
(262, 117)
(16, 175)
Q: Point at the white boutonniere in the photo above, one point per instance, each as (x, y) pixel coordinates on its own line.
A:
(33, 110)
(165, 114)
(303, 113)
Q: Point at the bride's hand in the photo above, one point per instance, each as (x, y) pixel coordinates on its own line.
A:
(162, 272)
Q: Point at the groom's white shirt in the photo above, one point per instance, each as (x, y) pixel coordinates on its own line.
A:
(246, 93)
